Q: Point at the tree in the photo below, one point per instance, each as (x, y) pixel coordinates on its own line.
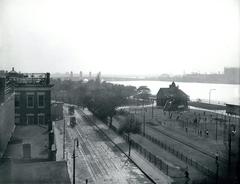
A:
(101, 98)
(143, 92)
(130, 125)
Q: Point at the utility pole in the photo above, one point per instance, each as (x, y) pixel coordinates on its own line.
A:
(74, 156)
(64, 129)
(152, 107)
(217, 167)
(216, 129)
(129, 139)
(229, 149)
(238, 165)
(205, 123)
(129, 150)
(143, 122)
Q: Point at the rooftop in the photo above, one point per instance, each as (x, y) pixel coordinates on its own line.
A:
(48, 172)
(173, 90)
(35, 135)
(28, 79)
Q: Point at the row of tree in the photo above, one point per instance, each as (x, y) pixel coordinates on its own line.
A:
(101, 98)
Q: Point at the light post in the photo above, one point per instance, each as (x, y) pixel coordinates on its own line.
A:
(74, 156)
(152, 107)
(64, 129)
(143, 121)
(238, 164)
(210, 90)
(216, 128)
(129, 139)
(229, 147)
(217, 167)
(129, 151)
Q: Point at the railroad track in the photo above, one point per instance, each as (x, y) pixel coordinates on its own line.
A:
(102, 166)
(115, 145)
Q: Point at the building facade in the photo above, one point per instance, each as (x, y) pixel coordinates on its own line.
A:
(172, 98)
(7, 124)
(57, 111)
(232, 75)
(32, 98)
(32, 105)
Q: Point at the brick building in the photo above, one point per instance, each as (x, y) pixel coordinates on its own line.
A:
(32, 97)
(57, 110)
(172, 98)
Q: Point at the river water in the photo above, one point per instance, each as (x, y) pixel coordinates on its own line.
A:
(219, 93)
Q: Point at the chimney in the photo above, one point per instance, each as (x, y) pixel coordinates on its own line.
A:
(48, 78)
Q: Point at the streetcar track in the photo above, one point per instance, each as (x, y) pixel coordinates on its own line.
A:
(98, 129)
(97, 155)
(97, 170)
(110, 165)
(85, 160)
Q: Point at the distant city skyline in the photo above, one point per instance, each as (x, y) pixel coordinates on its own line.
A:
(120, 38)
(94, 74)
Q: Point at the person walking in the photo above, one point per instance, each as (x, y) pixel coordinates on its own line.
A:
(206, 132)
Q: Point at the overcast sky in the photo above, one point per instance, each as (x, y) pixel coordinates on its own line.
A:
(119, 37)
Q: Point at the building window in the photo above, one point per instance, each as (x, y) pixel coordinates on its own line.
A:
(30, 100)
(41, 119)
(30, 119)
(17, 119)
(17, 100)
(41, 100)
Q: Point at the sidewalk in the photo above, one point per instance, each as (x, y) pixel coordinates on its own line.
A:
(176, 166)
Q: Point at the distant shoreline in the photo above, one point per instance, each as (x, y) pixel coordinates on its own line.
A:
(164, 80)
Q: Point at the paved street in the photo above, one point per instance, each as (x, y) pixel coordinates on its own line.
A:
(98, 160)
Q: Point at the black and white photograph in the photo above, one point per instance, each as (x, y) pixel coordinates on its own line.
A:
(119, 92)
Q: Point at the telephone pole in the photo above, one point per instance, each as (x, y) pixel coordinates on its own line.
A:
(216, 129)
(64, 129)
(129, 139)
(74, 156)
(217, 167)
(143, 122)
(229, 149)
(152, 107)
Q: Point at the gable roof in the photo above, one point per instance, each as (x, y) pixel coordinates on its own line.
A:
(172, 92)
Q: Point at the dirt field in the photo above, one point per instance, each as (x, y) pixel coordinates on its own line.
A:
(199, 135)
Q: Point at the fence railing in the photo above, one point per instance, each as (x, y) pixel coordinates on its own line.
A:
(155, 160)
(182, 157)
(214, 102)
